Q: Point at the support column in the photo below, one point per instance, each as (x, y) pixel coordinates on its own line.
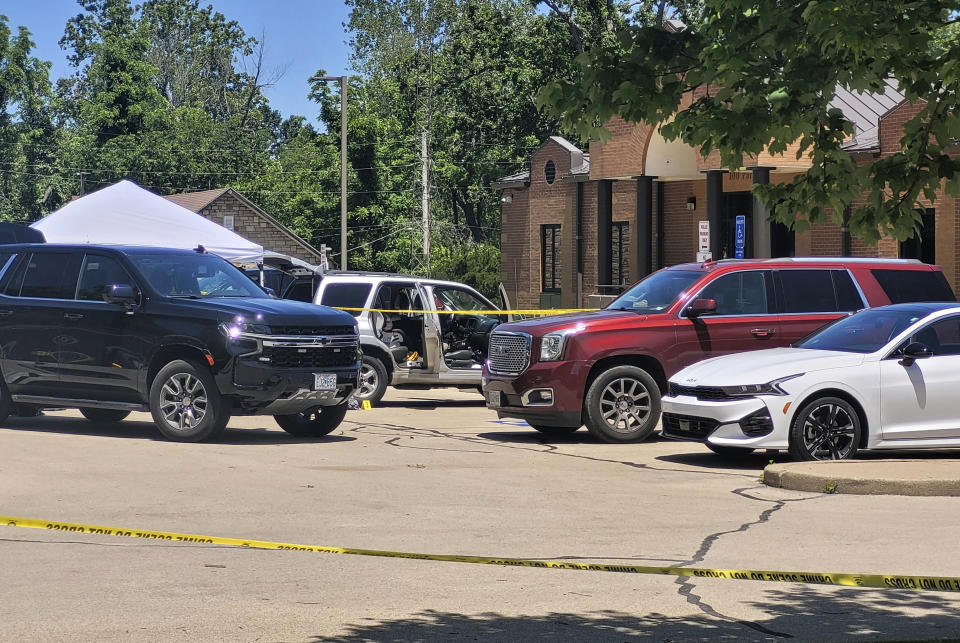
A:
(762, 246)
(604, 224)
(661, 262)
(714, 209)
(641, 237)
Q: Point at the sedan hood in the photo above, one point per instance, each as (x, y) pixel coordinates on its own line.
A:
(760, 367)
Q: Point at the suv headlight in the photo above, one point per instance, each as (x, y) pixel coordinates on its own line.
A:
(551, 346)
(235, 329)
(751, 390)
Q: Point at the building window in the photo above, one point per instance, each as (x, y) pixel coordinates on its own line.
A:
(550, 258)
(550, 172)
(228, 221)
(619, 244)
(923, 244)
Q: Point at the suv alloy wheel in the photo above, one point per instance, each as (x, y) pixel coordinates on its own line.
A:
(186, 404)
(622, 404)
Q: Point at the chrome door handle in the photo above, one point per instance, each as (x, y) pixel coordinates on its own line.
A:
(73, 315)
(762, 332)
(5, 313)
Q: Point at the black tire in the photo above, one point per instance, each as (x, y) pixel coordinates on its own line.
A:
(372, 381)
(6, 404)
(313, 423)
(627, 395)
(554, 430)
(186, 404)
(729, 452)
(104, 415)
(826, 428)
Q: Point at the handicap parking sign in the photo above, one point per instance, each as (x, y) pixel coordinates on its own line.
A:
(741, 234)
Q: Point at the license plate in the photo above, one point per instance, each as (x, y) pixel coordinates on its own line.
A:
(324, 381)
(494, 398)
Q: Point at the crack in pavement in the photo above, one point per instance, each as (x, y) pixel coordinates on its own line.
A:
(687, 585)
(547, 448)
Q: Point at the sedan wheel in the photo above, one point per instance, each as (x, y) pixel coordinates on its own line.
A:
(827, 428)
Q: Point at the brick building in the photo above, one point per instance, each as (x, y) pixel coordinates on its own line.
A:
(577, 227)
(235, 212)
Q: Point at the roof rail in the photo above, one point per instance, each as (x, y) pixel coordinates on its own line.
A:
(841, 259)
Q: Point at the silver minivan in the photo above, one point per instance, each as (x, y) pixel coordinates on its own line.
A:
(424, 346)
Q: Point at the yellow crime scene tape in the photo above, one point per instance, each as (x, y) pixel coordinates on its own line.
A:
(531, 312)
(885, 581)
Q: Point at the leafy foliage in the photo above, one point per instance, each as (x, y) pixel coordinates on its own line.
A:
(776, 66)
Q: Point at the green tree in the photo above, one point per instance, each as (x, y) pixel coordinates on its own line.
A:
(768, 71)
(28, 135)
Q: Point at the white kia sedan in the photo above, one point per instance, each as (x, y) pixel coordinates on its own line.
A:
(884, 378)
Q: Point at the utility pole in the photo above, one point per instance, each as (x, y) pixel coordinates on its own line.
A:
(425, 171)
(343, 163)
(81, 175)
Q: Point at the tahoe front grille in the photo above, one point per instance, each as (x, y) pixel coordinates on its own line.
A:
(301, 331)
(509, 353)
(687, 426)
(309, 356)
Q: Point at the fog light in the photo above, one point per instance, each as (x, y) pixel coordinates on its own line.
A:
(757, 424)
(537, 397)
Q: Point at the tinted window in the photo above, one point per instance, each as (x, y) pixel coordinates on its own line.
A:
(302, 291)
(906, 286)
(97, 275)
(346, 296)
(941, 337)
(49, 275)
(808, 291)
(864, 332)
(848, 299)
(739, 293)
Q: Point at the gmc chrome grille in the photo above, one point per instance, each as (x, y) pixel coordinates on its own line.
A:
(509, 353)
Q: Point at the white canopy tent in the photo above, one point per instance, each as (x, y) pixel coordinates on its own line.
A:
(126, 214)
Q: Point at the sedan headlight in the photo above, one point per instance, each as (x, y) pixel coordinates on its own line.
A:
(751, 390)
(551, 346)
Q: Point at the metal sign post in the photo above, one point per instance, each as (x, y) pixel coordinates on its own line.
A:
(741, 236)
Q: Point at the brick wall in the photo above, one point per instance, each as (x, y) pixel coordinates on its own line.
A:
(252, 226)
(515, 247)
(624, 154)
(554, 203)
(680, 225)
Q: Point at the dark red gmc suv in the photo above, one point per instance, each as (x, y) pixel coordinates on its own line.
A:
(607, 369)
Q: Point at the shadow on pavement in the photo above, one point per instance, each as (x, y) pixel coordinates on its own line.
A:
(708, 459)
(431, 404)
(797, 612)
(131, 429)
(527, 435)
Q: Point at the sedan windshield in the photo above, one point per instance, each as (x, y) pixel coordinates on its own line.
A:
(198, 276)
(657, 292)
(866, 332)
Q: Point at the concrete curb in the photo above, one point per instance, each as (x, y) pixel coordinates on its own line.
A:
(868, 477)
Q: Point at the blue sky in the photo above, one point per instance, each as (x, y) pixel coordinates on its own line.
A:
(301, 35)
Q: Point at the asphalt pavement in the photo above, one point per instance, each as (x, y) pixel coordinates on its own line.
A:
(444, 476)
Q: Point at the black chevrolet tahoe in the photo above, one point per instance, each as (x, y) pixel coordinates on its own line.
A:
(185, 334)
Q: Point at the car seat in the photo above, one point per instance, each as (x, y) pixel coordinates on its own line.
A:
(928, 337)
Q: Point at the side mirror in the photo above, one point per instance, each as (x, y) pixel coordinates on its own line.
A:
(699, 307)
(120, 294)
(270, 291)
(914, 351)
